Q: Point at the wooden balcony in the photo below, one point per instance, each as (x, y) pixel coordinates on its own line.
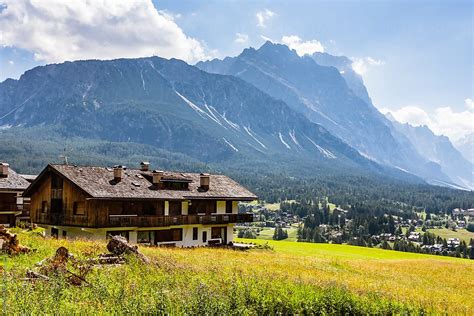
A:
(141, 220)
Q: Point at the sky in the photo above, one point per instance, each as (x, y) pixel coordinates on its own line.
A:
(416, 57)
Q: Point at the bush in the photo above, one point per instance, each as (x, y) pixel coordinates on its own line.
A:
(280, 234)
(470, 227)
(247, 233)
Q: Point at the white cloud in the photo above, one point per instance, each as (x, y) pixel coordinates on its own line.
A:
(361, 65)
(241, 38)
(469, 104)
(56, 30)
(11, 62)
(442, 121)
(411, 114)
(170, 15)
(302, 47)
(264, 16)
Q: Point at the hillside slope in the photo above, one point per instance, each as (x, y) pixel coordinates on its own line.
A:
(440, 150)
(293, 278)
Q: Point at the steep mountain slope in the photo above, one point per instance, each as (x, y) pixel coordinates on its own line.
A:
(344, 65)
(439, 149)
(173, 106)
(466, 147)
(322, 95)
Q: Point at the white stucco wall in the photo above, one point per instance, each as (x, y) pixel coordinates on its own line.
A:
(101, 233)
(184, 207)
(220, 207)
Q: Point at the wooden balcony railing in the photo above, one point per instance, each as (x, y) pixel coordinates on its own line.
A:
(140, 221)
(11, 208)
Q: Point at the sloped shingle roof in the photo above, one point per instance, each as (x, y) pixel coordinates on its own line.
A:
(136, 184)
(13, 182)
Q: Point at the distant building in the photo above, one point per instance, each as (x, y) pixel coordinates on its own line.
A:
(453, 242)
(12, 204)
(152, 207)
(414, 236)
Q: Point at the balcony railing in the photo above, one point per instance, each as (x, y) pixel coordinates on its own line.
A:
(141, 221)
(11, 208)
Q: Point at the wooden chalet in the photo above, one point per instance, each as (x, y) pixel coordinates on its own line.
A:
(152, 207)
(12, 204)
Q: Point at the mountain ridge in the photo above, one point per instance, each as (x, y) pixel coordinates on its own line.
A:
(173, 106)
(323, 96)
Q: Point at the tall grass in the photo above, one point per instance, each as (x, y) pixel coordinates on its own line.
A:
(218, 281)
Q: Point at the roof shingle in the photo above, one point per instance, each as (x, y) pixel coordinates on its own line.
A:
(13, 182)
(136, 184)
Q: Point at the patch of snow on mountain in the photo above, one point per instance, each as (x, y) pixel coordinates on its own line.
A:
(143, 80)
(213, 115)
(327, 153)
(229, 143)
(194, 107)
(293, 137)
(249, 131)
(88, 87)
(232, 124)
(282, 141)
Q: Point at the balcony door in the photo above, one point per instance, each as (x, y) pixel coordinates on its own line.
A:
(56, 198)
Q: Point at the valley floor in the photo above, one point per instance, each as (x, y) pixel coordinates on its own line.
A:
(291, 278)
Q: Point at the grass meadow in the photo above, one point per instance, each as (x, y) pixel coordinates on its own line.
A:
(292, 278)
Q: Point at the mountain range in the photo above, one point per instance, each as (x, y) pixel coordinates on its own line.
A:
(269, 107)
(170, 105)
(327, 91)
(465, 146)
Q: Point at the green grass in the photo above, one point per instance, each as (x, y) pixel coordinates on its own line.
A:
(267, 233)
(269, 206)
(294, 278)
(448, 233)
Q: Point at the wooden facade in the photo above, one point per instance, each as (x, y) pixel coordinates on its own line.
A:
(56, 201)
(12, 205)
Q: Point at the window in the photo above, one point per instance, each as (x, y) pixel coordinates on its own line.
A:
(195, 233)
(169, 235)
(148, 208)
(54, 233)
(160, 208)
(175, 208)
(228, 206)
(169, 185)
(146, 237)
(56, 182)
(204, 236)
(202, 206)
(44, 207)
(216, 232)
(79, 208)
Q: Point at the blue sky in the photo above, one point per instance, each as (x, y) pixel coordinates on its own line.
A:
(416, 57)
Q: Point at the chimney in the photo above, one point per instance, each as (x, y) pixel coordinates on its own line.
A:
(157, 175)
(118, 173)
(144, 166)
(205, 180)
(4, 169)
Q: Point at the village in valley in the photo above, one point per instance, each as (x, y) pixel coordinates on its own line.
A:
(449, 234)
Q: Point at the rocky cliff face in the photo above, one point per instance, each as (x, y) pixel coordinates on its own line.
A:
(173, 106)
(331, 94)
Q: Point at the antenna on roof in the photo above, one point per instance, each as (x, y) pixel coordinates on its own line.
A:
(64, 156)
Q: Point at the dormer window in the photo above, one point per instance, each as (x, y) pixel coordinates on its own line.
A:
(172, 185)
